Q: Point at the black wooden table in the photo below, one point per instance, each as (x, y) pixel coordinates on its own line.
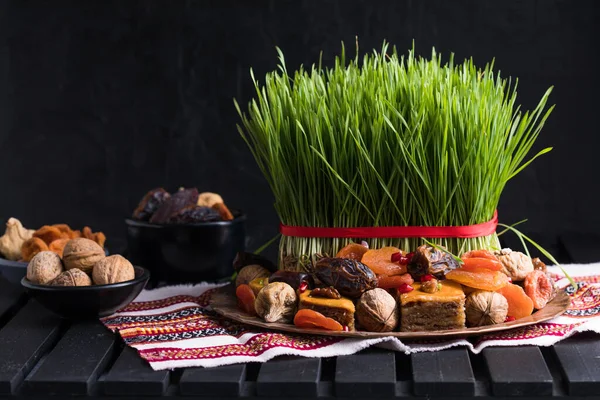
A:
(42, 356)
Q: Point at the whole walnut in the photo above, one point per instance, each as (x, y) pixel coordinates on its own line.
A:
(82, 253)
(515, 264)
(72, 277)
(250, 273)
(276, 302)
(44, 267)
(485, 308)
(377, 311)
(112, 269)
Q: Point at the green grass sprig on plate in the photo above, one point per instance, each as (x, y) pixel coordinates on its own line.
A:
(388, 140)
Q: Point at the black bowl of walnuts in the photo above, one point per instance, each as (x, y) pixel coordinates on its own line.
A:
(186, 236)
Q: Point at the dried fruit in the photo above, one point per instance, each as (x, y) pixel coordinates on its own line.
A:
(310, 319)
(380, 261)
(539, 288)
(483, 279)
(249, 273)
(294, 279)
(350, 277)
(519, 304)
(58, 246)
(195, 214)
(485, 308)
(246, 299)
(377, 311)
(44, 267)
(112, 269)
(353, 251)
(276, 302)
(431, 261)
(150, 203)
(257, 284)
(326, 292)
(13, 239)
(31, 247)
(479, 254)
(515, 265)
(82, 253)
(538, 264)
(66, 229)
(50, 233)
(223, 211)
(243, 258)
(475, 263)
(72, 277)
(389, 282)
(97, 237)
(174, 205)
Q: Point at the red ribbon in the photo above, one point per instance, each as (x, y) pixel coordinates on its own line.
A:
(467, 231)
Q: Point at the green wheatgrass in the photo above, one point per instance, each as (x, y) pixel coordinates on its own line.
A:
(388, 141)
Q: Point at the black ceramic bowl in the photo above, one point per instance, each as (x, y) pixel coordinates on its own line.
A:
(83, 302)
(186, 253)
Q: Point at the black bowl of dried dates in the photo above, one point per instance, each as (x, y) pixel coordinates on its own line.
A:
(185, 236)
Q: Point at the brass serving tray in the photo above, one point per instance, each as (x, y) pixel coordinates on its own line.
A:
(224, 302)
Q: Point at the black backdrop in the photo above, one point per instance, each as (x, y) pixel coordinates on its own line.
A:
(103, 100)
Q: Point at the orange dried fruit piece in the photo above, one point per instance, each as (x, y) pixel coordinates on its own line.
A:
(49, 234)
(394, 281)
(58, 246)
(477, 263)
(353, 251)
(380, 261)
(519, 304)
(97, 237)
(539, 288)
(479, 254)
(246, 297)
(307, 318)
(483, 279)
(31, 247)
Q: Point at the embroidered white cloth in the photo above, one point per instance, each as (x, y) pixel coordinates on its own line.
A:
(173, 327)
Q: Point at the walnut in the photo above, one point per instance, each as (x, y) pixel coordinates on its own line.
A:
(72, 277)
(485, 308)
(515, 265)
(538, 264)
(13, 238)
(431, 286)
(112, 269)
(249, 273)
(276, 302)
(44, 267)
(326, 292)
(377, 311)
(83, 254)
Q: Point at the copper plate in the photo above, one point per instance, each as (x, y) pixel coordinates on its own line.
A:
(224, 302)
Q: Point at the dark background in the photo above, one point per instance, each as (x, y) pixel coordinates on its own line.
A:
(104, 100)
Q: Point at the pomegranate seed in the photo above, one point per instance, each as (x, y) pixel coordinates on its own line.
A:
(364, 244)
(346, 329)
(396, 257)
(510, 319)
(426, 278)
(509, 279)
(303, 286)
(410, 255)
(405, 288)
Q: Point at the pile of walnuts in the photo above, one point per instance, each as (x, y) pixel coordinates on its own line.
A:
(83, 263)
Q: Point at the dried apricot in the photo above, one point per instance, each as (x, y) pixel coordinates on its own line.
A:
(31, 247)
(475, 263)
(479, 254)
(483, 279)
(539, 288)
(354, 251)
(246, 298)
(50, 233)
(519, 305)
(380, 261)
(389, 282)
(306, 318)
(58, 246)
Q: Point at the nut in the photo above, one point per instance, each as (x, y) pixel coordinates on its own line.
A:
(538, 264)
(72, 277)
(430, 286)
(13, 238)
(485, 308)
(44, 267)
(276, 302)
(83, 254)
(515, 265)
(112, 269)
(326, 292)
(250, 273)
(377, 311)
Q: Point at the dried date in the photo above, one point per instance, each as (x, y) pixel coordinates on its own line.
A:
(175, 205)
(428, 260)
(195, 214)
(293, 278)
(350, 277)
(150, 203)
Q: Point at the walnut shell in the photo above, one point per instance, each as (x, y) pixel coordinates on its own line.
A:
(485, 308)
(515, 264)
(44, 267)
(377, 311)
(276, 302)
(250, 273)
(82, 253)
(72, 277)
(112, 269)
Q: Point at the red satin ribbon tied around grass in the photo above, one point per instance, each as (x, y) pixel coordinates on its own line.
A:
(467, 231)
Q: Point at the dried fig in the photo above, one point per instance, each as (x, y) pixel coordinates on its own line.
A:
(276, 302)
(13, 239)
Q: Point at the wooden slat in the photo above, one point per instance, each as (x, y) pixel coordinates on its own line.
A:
(582, 248)
(518, 371)
(579, 359)
(289, 377)
(23, 340)
(369, 373)
(132, 376)
(446, 373)
(73, 366)
(223, 381)
(10, 297)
